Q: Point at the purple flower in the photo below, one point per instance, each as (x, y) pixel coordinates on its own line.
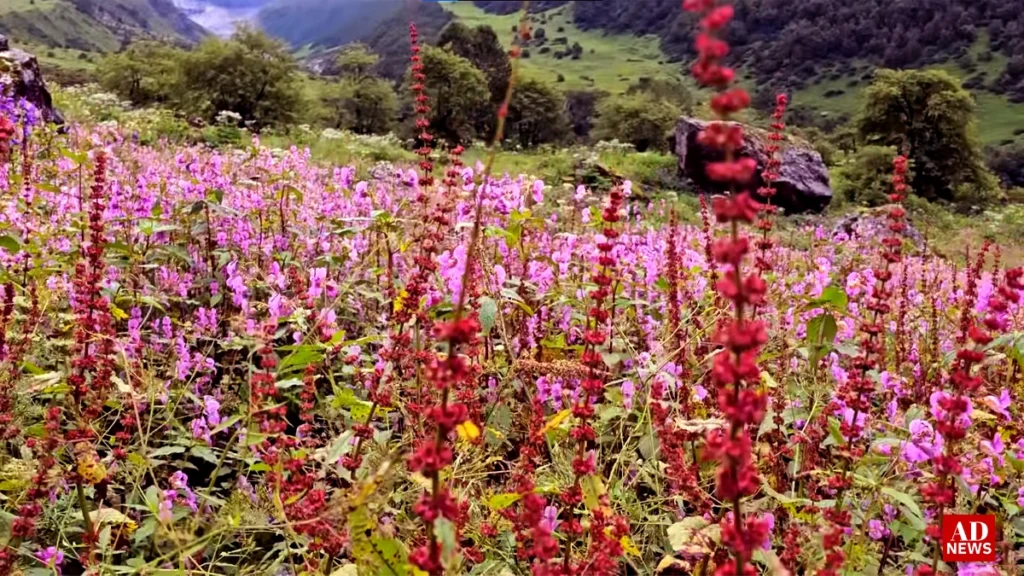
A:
(769, 519)
(51, 557)
(877, 530)
(165, 510)
(538, 191)
(924, 443)
(976, 569)
(1000, 405)
(549, 518)
(212, 411)
(628, 391)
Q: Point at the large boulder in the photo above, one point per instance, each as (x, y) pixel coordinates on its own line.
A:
(803, 184)
(27, 82)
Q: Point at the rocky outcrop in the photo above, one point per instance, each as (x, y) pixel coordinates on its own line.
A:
(872, 223)
(803, 184)
(27, 80)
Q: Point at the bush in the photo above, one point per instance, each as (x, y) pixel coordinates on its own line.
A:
(643, 120)
(866, 178)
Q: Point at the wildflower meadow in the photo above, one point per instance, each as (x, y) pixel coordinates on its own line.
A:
(242, 360)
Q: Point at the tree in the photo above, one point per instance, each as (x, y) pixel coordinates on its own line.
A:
(145, 73)
(458, 94)
(669, 89)
(365, 106)
(481, 47)
(581, 107)
(536, 114)
(930, 113)
(643, 120)
(250, 74)
(356, 61)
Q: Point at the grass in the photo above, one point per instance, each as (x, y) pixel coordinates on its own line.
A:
(54, 23)
(617, 60)
(998, 118)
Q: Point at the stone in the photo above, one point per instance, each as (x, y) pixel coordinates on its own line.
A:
(803, 184)
(28, 83)
(873, 223)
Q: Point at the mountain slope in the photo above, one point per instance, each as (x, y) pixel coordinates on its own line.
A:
(95, 25)
(823, 52)
(325, 23)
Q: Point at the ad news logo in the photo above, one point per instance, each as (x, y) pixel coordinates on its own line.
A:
(969, 538)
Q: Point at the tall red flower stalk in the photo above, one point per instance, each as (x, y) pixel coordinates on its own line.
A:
(601, 560)
(970, 293)
(92, 367)
(769, 175)
(735, 371)
(683, 475)
(858, 393)
(451, 371)
(419, 90)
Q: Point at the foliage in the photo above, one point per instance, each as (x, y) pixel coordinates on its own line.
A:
(146, 73)
(671, 90)
(864, 178)
(364, 106)
(535, 115)
(933, 116)
(1007, 163)
(355, 61)
(458, 94)
(250, 74)
(644, 121)
(481, 47)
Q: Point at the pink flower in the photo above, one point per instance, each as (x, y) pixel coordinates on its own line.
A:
(1000, 405)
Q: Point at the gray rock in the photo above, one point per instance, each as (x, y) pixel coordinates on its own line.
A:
(873, 223)
(803, 184)
(28, 80)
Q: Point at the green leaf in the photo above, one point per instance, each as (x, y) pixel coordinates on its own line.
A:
(502, 501)
(205, 453)
(298, 360)
(10, 243)
(488, 313)
(782, 498)
(167, 451)
(288, 383)
(910, 508)
(832, 297)
(76, 157)
(593, 488)
(822, 329)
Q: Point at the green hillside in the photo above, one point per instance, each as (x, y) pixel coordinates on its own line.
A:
(618, 59)
(94, 25)
(609, 62)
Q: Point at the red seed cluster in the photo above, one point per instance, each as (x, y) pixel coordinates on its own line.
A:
(735, 372)
(422, 108)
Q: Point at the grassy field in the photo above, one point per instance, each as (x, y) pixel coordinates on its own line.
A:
(608, 62)
(54, 23)
(998, 118)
